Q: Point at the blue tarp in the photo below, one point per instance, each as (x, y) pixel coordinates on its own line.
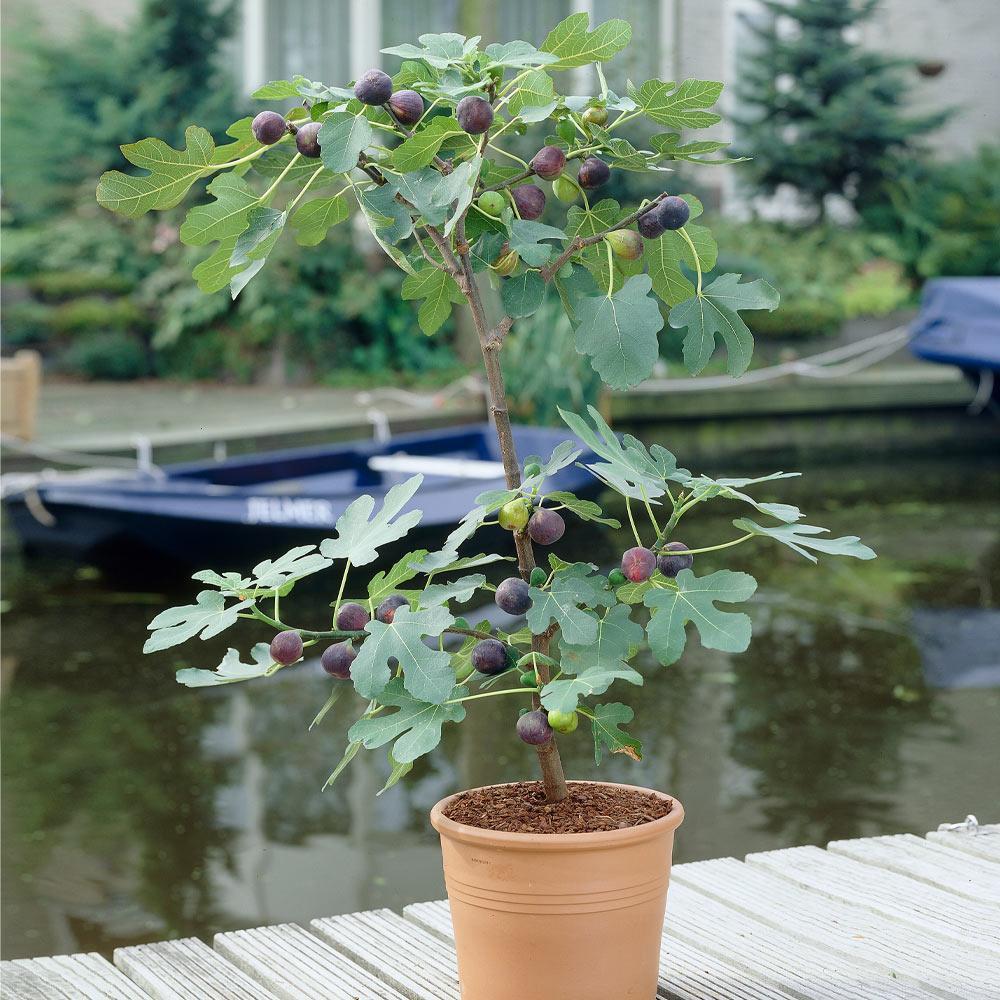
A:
(959, 323)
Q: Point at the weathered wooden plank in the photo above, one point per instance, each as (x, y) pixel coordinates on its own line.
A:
(926, 908)
(926, 862)
(66, 977)
(419, 964)
(296, 965)
(686, 972)
(758, 950)
(186, 970)
(935, 963)
(985, 844)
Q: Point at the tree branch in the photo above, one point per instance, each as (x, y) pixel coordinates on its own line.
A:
(581, 242)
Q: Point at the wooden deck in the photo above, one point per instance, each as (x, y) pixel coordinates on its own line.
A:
(885, 918)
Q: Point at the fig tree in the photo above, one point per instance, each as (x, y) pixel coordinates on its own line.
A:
(671, 565)
(533, 727)
(373, 87)
(489, 656)
(638, 564)
(625, 244)
(565, 190)
(307, 140)
(514, 514)
(650, 224)
(595, 116)
(474, 115)
(386, 611)
(512, 596)
(268, 127)
(337, 660)
(530, 201)
(352, 617)
(546, 526)
(492, 202)
(563, 722)
(548, 162)
(593, 173)
(407, 106)
(286, 647)
(674, 212)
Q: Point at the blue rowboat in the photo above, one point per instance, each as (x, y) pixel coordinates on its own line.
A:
(959, 324)
(252, 505)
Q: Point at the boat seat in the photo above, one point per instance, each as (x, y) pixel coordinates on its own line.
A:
(431, 465)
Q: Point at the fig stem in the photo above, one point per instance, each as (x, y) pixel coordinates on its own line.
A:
(340, 592)
(694, 253)
(649, 511)
(631, 521)
(277, 180)
(491, 694)
(306, 186)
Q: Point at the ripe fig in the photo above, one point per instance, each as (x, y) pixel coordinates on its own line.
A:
(373, 87)
(512, 596)
(564, 722)
(626, 244)
(307, 140)
(595, 116)
(533, 727)
(593, 173)
(546, 526)
(490, 656)
(530, 201)
(407, 106)
(638, 564)
(548, 162)
(352, 617)
(286, 647)
(674, 212)
(474, 115)
(565, 190)
(514, 514)
(268, 127)
(670, 565)
(650, 225)
(492, 202)
(337, 660)
(386, 611)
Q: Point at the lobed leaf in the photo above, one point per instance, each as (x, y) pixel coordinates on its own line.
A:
(571, 586)
(208, 616)
(715, 312)
(801, 537)
(575, 45)
(416, 727)
(693, 599)
(342, 139)
(608, 734)
(680, 106)
(230, 670)
(312, 220)
(359, 535)
(439, 292)
(522, 294)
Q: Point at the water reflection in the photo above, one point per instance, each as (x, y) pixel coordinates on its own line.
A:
(136, 810)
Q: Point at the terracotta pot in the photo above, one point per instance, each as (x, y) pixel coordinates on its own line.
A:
(551, 916)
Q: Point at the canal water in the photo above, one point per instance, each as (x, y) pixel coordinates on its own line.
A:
(135, 809)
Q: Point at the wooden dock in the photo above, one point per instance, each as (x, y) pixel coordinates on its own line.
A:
(884, 918)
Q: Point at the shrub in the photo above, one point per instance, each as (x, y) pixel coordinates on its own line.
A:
(94, 314)
(69, 284)
(115, 356)
(877, 290)
(798, 318)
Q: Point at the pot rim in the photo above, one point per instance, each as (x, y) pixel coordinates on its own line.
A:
(482, 837)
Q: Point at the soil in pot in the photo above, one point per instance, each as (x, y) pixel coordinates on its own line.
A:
(589, 808)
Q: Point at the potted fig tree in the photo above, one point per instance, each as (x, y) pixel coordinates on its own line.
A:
(557, 888)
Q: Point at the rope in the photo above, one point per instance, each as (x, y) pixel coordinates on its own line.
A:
(853, 358)
(68, 457)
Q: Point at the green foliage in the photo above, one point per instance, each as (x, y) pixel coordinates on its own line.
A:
(797, 318)
(414, 189)
(876, 291)
(113, 356)
(841, 127)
